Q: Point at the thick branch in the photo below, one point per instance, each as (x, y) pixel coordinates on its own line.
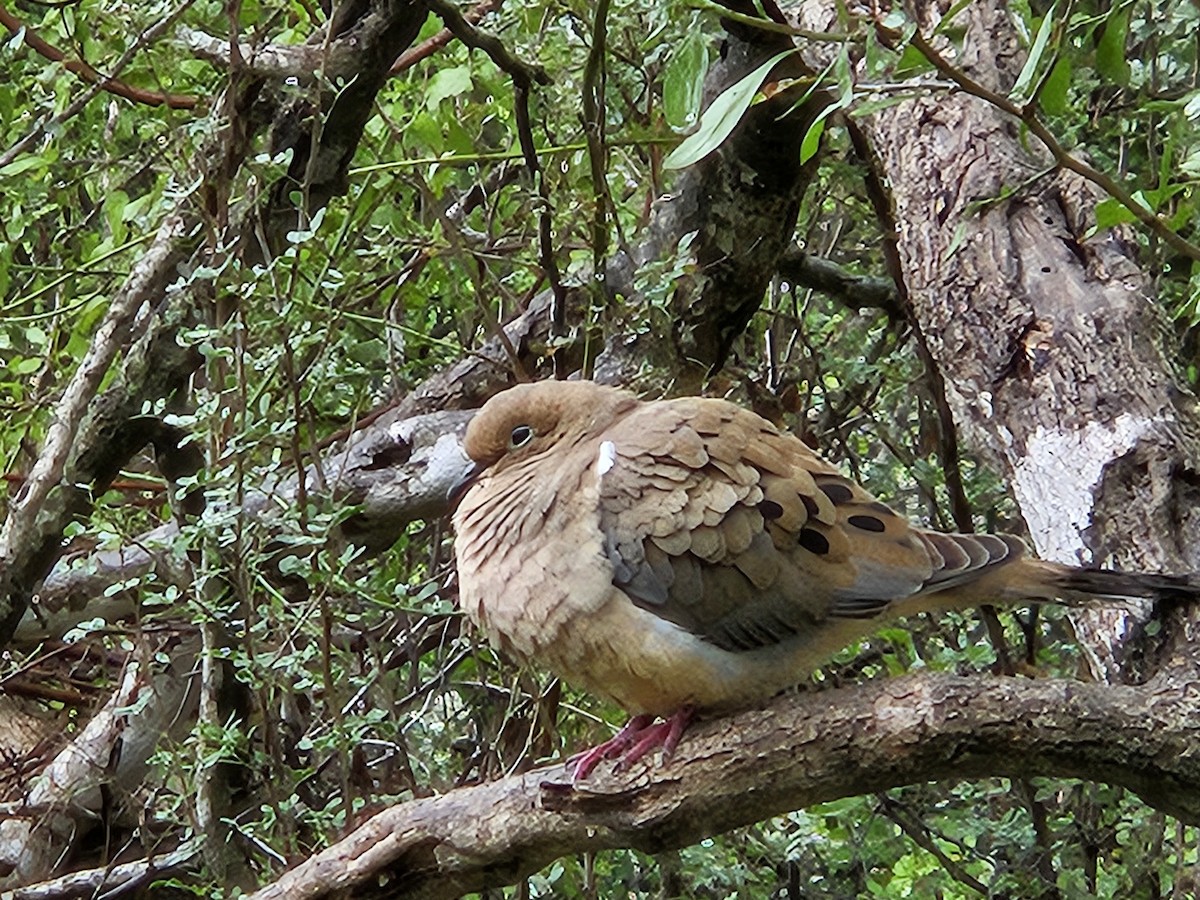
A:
(29, 539)
(848, 288)
(395, 471)
(301, 61)
(111, 751)
(745, 216)
(798, 751)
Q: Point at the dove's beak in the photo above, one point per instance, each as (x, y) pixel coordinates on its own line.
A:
(460, 487)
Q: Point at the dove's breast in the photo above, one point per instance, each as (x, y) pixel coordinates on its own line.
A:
(535, 577)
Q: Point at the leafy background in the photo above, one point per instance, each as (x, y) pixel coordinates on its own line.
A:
(389, 695)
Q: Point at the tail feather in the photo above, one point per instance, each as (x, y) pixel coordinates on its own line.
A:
(1079, 585)
(1009, 577)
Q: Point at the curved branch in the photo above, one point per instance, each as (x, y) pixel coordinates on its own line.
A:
(852, 290)
(89, 73)
(797, 751)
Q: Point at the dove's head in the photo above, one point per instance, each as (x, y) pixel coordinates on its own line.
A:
(529, 419)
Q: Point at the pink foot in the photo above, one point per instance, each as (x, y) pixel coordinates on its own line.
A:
(639, 736)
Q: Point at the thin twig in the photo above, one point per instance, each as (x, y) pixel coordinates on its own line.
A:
(91, 75)
(1027, 115)
(427, 48)
(768, 25)
(594, 117)
(921, 836)
(523, 74)
(104, 83)
(546, 256)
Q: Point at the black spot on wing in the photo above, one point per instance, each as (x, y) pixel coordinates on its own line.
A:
(867, 523)
(770, 509)
(836, 491)
(813, 541)
(810, 505)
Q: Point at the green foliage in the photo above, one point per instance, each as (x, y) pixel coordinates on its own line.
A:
(683, 81)
(361, 685)
(722, 116)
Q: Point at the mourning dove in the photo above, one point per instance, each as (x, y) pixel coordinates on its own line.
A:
(683, 555)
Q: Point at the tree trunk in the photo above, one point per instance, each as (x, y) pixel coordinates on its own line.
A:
(1048, 341)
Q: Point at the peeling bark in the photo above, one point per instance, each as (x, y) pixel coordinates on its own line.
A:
(1049, 342)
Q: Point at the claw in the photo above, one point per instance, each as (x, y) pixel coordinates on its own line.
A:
(640, 735)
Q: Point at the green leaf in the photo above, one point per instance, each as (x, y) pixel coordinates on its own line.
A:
(1190, 165)
(447, 83)
(114, 213)
(912, 62)
(721, 117)
(426, 133)
(1110, 52)
(1109, 212)
(683, 81)
(1025, 79)
(1191, 108)
(954, 10)
(812, 138)
(24, 164)
(1053, 98)
(877, 105)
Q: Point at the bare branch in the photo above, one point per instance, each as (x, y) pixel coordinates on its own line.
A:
(798, 751)
(111, 750)
(395, 471)
(300, 61)
(27, 524)
(99, 80)
(108, 881)
(848, 288)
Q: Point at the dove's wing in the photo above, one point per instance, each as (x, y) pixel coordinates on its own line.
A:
(716, 521)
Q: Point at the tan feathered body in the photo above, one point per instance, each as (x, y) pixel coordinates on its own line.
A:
(686, 553)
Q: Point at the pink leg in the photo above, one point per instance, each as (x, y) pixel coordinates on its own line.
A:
(639, 736)
(614, 746)
(664, 734)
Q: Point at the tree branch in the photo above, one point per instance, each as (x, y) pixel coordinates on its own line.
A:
(1027, 114)
(854, 291)
(96, 78)
(797, 751)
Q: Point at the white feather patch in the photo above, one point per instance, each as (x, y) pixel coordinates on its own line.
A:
(607, 458)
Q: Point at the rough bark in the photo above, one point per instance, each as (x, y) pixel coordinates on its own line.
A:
(1049, 342)
(797, 751)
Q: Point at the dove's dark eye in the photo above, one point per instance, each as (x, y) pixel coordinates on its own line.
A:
(521, 435)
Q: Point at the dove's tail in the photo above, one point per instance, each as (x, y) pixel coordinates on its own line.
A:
(1006, 575)
(1071, 585)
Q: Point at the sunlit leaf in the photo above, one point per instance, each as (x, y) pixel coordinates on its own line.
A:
(1020, 89)
(721, 117)
(1110, 52)
(445, 83)
(683, 81)
(1054, 97)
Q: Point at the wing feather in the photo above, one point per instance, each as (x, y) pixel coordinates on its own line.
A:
(716, 521)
